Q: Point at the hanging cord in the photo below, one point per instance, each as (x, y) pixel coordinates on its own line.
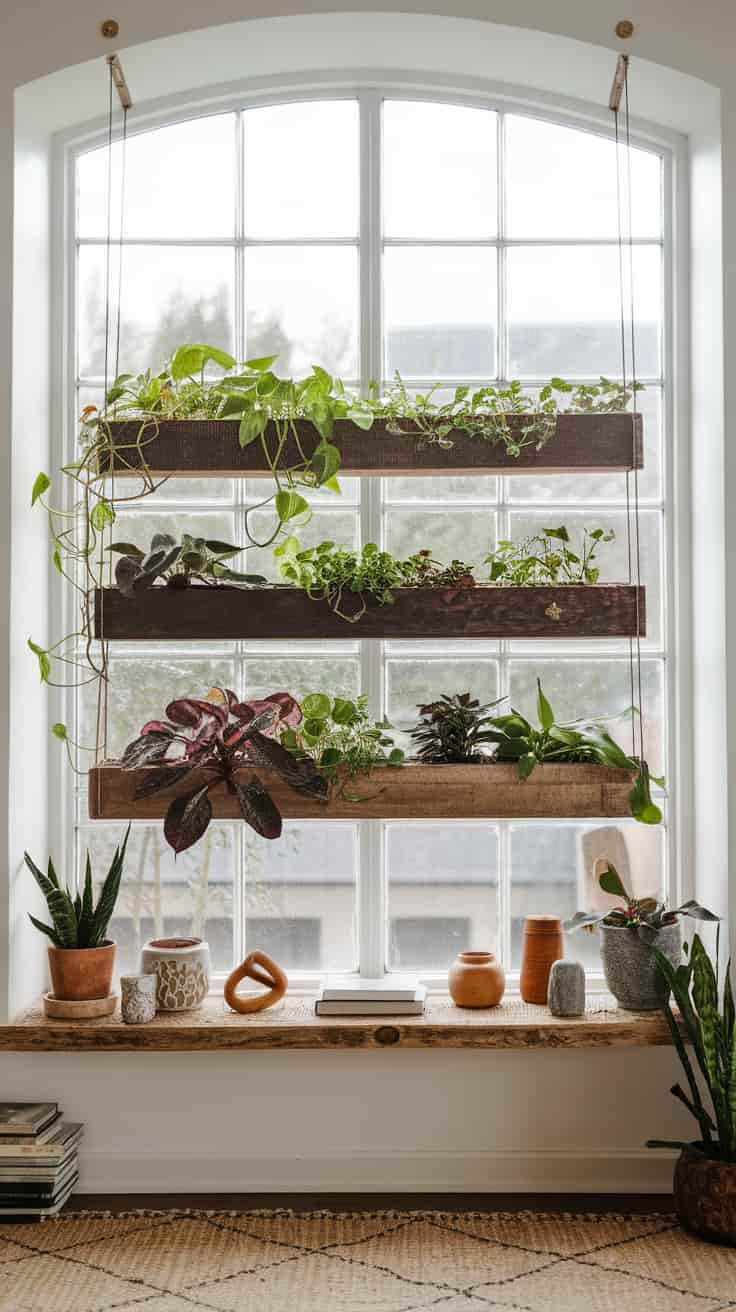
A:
(633, 551)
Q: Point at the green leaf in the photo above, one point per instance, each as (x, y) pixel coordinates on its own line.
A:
(60, 731)
(252, 425)
(325, 461)
(289, 505)
(396, 757)
(44, 662)
(330, 757)
(46, 929)
(314, 728)
(545, 713)
(41, 485)
(261, 364)
(527, 763)
(316, 706)
(127, 549)
(610, 881)
(643, 808)
(102, 514)
(344, 711)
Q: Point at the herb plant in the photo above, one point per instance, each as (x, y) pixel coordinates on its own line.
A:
(340, 737)
(581, 740)
(709, 1027)
(547, 558)
(225, 740)
(177, 563)
(453, 729)
(77, 922)
(351, 580)
(643, 916)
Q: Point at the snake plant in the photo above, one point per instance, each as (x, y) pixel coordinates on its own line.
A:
(77, 921)
(709, 1028)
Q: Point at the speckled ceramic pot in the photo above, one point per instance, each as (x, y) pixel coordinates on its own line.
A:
(137, 998)
(182, 966)
(705, 1195)
(629, 966)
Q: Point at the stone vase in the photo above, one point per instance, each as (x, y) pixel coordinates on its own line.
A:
(137, 998)
(566, 989)
(476, 979)
(182, 968)
(629, 965)
(705, 1195)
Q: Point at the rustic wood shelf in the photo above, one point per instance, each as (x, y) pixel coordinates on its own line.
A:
(411, 791)
(607, 610)
(292, 1024)
(195, 448)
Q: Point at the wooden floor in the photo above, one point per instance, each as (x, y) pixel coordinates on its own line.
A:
(624, 1203)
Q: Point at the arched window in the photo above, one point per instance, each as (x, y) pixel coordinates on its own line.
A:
(370, 233)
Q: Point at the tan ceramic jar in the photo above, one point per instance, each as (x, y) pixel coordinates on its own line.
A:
(476, 979)
(542, 947)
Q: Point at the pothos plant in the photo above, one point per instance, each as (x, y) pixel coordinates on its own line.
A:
(226, 741)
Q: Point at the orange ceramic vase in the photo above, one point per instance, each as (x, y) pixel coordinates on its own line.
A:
(542, 947)
(476, 979)
(80, 974)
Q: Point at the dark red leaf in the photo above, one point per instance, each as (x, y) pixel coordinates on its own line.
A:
(163, 777)
(267, 719)
(190, 711)
(158, 726)
(289, 710)
(146, 749)
(301, 774)
(258, 808)
(187, 819)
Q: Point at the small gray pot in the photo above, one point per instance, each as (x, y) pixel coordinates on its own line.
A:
(629, 966)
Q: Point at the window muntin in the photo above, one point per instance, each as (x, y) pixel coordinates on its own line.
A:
(486, 264)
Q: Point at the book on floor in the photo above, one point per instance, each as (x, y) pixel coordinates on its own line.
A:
(25, 1118)
(43, 1135)
(365, 1007)
(385, 988)
(37, 1191)
(37, 1211)
(52, 1150)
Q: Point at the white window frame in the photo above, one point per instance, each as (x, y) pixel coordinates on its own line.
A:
(370, 90)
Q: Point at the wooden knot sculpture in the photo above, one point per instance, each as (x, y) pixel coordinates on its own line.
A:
(264, 971)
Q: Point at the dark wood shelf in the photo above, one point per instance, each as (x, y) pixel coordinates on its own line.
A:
(408, 792)
(292, 1024)
(607, 610)
(194, 448)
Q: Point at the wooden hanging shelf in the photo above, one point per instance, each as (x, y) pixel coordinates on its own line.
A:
(199, 612)
(410, 792)
(195, 448)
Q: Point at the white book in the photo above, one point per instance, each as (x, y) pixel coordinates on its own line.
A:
(364, 1007)
(67, 1136)
(386, 988)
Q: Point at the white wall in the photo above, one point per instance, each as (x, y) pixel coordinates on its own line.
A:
(362, 1120)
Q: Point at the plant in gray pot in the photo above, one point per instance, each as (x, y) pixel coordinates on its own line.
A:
(705, 1174)
(628, 935)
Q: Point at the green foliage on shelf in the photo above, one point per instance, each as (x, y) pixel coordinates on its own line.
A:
(77, 921)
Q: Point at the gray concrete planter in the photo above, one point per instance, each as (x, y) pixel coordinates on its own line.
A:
(629, 967)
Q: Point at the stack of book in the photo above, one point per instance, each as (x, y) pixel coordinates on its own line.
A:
(38, 1160)
(389, 995)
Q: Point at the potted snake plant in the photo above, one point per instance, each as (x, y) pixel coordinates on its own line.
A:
(81, 956)
(628, 933)
(705, 1174)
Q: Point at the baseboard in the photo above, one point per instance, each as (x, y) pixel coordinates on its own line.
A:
(544, 1171)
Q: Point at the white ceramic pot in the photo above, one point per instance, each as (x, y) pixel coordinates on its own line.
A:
(182, 967)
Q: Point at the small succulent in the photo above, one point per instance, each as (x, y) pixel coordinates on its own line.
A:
(176, 562)
(77, 921)
(644, 916)
(453, 729)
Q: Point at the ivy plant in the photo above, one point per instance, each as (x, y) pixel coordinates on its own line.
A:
(547, 558)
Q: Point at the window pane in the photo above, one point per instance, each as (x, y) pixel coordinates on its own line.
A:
(300, 896)
(337, 675)
(302, 305)
(440, 311)
(179, 182)
(612, 557)
(301, 170)
(442, 893)
(604, 486)
(439, 170)
(411, 683)
(189, 896)
(564, 308)
(552, 874)
(476, 487)
(170, 295)
(141, 688)
(451, 535)
(562, 183)
(581, 688)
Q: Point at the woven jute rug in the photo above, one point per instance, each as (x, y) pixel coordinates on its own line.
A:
(282, 1261)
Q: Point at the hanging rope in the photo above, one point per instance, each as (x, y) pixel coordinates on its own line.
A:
(625, 244)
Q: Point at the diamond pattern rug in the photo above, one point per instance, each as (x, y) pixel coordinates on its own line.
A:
(282, 1261)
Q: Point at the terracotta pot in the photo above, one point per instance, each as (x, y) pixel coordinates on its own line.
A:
(542, 947)
(78, 974)
(705, 1195)
(476, 979)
